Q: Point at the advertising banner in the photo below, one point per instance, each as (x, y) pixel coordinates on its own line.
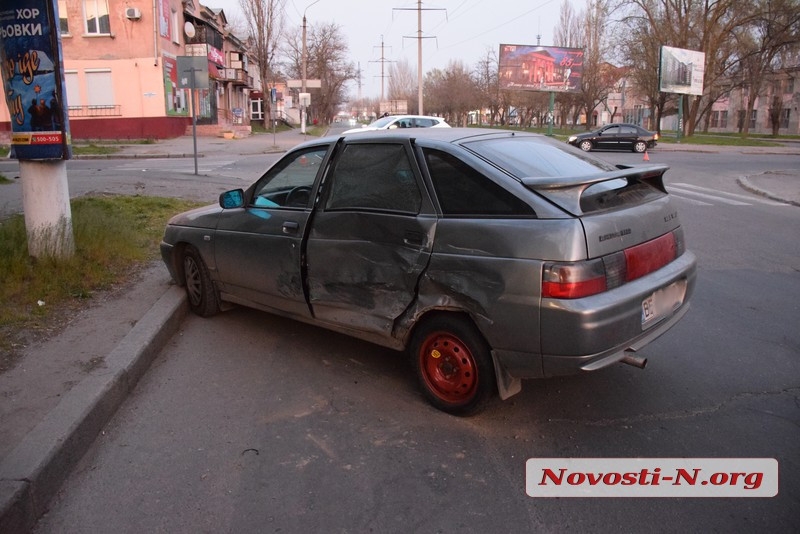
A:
(541, 68)
(33, 79)
(681, 71)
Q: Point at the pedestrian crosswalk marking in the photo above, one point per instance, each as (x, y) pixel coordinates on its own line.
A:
(692, 193)
(748, 198)
(690, 200)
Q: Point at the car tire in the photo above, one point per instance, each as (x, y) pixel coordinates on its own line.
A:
(453, 365)
(639, 146)
(200, 290)
(586, 146)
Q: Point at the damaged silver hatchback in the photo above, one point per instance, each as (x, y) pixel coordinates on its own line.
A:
(490, 256)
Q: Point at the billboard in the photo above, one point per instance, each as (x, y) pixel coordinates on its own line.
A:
(540, 68)
(33, 79)
(681, 71)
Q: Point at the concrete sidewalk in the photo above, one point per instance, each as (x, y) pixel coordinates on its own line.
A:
(59, 392)
(62, 391)
(184, 147)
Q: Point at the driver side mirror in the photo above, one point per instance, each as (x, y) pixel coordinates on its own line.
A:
(232, 199)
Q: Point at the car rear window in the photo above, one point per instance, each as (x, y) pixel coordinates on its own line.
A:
(463, 191)
(524, 156)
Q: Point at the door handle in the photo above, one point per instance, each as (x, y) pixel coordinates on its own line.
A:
(290, 227)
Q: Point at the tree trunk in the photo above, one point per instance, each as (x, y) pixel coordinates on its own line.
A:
(751, 102)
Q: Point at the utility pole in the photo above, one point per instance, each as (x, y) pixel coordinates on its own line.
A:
(419, 38)
(382, 61)
(303, 90)
(359, 80)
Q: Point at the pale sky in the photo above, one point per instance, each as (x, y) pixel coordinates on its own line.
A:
(453, 29)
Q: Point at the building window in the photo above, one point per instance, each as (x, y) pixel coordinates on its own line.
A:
(753, 118)
(73, 89)
(99, 89)
(97, 20)
(176, 25)
(790, 86)
(719, 119)
(785, 118)
(63, 21)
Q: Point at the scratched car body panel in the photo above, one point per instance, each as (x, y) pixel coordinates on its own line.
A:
(490, 256)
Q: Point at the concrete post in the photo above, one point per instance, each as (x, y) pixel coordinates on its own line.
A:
(48, 216)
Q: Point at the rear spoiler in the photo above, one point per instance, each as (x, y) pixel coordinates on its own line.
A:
(566, 191)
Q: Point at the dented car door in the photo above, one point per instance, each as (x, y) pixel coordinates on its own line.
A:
(370, 238)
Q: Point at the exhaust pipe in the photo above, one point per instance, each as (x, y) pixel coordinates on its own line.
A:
(635, 361)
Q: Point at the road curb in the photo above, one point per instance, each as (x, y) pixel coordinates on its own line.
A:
(35, 470)
(745, 184)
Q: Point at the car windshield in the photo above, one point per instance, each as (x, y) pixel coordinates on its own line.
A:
(526, 157)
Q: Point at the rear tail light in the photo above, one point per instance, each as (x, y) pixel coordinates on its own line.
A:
(573, 280)
(585, 278)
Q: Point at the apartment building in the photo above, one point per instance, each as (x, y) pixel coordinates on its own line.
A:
(121, 69)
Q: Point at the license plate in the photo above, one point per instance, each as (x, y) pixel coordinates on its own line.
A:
(663, 302)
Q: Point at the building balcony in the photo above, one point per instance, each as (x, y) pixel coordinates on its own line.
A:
(237, 76)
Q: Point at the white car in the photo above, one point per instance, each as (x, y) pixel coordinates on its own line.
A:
(402, 121)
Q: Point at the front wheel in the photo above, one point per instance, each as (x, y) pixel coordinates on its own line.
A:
(200, 290)
(453, 365)
(639, 146)
(586, 146)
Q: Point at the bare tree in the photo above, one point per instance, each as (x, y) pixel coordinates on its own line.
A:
(264, 19)
(569, 33)
(599, 76)
(403, 84)
(451, 93)
(707, 26)
(488, 85)
(328, 62)
(640, 52)
(775, 28)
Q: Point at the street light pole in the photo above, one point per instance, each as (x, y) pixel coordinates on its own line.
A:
(303, 111)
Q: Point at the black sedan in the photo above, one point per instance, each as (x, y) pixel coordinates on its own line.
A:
(617, 136)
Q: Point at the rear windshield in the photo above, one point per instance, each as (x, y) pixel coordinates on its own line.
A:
(534, 157)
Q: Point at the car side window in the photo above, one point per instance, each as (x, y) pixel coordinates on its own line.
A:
(374, 177)
(614, 130)
(423, 123)
(629, 130)
(462, 190)
(289, 183)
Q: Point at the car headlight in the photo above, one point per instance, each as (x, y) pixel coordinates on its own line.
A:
(572, 138)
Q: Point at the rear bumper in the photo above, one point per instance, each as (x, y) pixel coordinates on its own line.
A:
(591, 333)
(568, 365)
(595, 332)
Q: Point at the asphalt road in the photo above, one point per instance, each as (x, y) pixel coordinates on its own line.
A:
(252, 423)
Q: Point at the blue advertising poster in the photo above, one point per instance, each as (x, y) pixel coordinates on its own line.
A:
(33, 79)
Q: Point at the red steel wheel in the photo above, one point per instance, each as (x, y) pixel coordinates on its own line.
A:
(453, 364)
(448, 367)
